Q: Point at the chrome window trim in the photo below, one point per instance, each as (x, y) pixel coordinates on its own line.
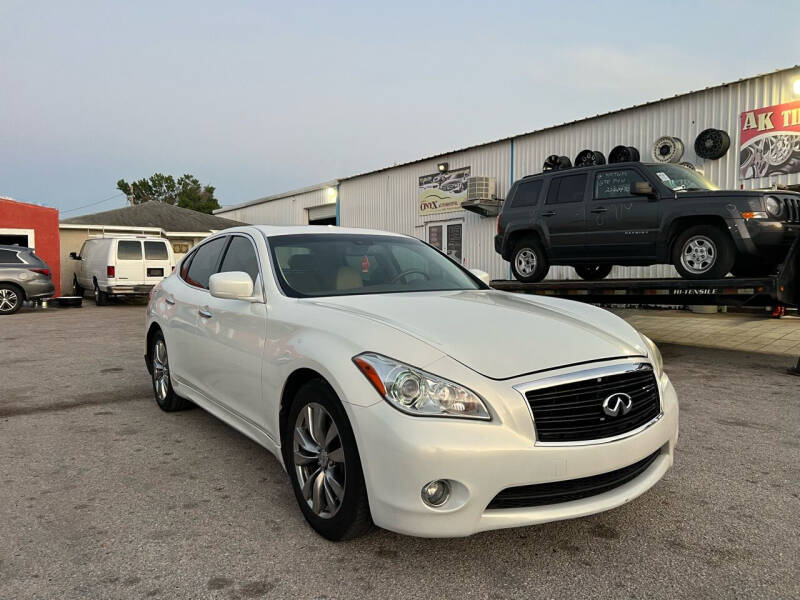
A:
(583, 375)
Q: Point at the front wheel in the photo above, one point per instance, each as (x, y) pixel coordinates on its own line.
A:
(529, 262)
(703, 252)
(322, 460)
(593, 272)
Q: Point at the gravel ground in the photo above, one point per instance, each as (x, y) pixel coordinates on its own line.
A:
(104, 496)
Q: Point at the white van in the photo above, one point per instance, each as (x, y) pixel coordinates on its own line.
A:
(121, 266)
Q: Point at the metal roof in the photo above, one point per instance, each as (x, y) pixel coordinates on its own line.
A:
(156, 214)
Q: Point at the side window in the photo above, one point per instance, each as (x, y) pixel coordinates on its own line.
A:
(567, 189)
(240, 256)
(204, 262)
(129, 250)
(615, 184)
(156, 251)
(9, 257)
(527, 194)
(82, 253)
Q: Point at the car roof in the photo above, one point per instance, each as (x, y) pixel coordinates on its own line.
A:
(274, 230)
(590, 167)
(15, 248)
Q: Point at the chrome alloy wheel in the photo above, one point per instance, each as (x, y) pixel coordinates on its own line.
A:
(161, 370)
(319, 463)
(8, 300)
(698, 255)
(525, 262)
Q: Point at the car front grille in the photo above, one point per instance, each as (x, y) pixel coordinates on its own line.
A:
(573, 489)
(791, 209)
(573, 411)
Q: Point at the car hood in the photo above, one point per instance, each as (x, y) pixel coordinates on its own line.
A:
(498, 334)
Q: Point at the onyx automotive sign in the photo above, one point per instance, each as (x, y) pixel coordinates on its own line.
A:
(442, 192)
(769, 141)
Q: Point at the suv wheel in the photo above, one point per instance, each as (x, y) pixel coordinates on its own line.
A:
(10, 299)
(529, 262)
(593, 272)
(703, 252)
(322, 460)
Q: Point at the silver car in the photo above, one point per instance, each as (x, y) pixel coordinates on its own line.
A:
(23, 276)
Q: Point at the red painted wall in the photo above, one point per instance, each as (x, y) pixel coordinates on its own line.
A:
(44, 222)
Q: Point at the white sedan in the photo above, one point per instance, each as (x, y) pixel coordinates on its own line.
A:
(398, 389)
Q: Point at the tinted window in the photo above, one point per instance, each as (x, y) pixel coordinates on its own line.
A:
(204, 262)
(527, 194)
(240, 256)
(567, 189)
(615, 184)
(155, 251)
(9, 257)
(129, 250)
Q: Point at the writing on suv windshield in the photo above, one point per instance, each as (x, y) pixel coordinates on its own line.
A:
(681, 179)
(312, 265)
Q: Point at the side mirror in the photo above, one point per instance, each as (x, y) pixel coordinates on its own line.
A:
(642, 188)
(233, 285)
(482, 275)
(74, 256)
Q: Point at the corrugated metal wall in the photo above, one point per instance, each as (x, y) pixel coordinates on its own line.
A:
(289, 210)
(388, 199)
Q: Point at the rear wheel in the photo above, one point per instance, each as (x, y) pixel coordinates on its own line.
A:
(593, 272)
(165, 396)
(100, 297)
(703, 252)
(322, 460)
(529, 262)
(10, 299)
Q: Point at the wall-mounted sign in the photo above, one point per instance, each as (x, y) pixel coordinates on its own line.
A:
(443, 192)
(769, 141)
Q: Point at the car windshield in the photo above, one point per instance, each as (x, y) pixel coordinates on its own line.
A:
(311, 265)
(681, 179)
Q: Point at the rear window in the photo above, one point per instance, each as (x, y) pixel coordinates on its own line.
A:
(9, 257)
(129, 250)
(155, 251)
(568, 189)
(527, 194)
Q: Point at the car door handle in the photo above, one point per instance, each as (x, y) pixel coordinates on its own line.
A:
(169, 300)
(599, 209)
(205, 313)
(549, 213)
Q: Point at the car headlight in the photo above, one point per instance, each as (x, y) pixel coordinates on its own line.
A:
(774, 206)
(416, 392)
(654, 354)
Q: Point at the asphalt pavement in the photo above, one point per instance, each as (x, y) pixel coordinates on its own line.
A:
(102, 495)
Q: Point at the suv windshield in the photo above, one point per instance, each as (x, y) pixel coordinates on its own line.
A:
(680, 179)
(310, 265)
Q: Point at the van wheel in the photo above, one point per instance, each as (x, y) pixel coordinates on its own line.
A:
(100, 297)
(703, 252)
(321, 457)
(593, 272)
(529, 262)
(10, 299)
(165, 396)
(77, 290)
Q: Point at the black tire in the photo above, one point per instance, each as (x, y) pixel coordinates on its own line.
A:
(77, 290)
(708, 253)
(753, 268)
(529, 262)
(351, 518)
(712, 144)
(100, 297)
(165, 396)
(593, 272)
(11, 298)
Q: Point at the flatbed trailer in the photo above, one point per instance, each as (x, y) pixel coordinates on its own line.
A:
(779, 291)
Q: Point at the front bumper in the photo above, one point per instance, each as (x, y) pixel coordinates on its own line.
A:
(401, 453)
(765, 238)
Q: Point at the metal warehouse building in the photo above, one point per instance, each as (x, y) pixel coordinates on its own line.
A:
(759, 118)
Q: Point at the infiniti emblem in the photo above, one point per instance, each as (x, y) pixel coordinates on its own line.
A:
(616, 404)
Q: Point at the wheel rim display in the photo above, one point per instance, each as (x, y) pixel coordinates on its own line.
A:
(319, 462)
(525, 262)
(698, 255)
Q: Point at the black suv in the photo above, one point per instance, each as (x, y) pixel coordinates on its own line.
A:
(642, 214)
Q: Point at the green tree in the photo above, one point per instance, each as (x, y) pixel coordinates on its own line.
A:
(186, 192)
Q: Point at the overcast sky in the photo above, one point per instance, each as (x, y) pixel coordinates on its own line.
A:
(257, 98)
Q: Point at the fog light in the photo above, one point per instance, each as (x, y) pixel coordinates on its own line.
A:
(436, 492)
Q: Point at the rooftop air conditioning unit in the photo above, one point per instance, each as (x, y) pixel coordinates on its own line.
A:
(481, 196)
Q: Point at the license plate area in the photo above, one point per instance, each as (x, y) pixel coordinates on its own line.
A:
(153, 272)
